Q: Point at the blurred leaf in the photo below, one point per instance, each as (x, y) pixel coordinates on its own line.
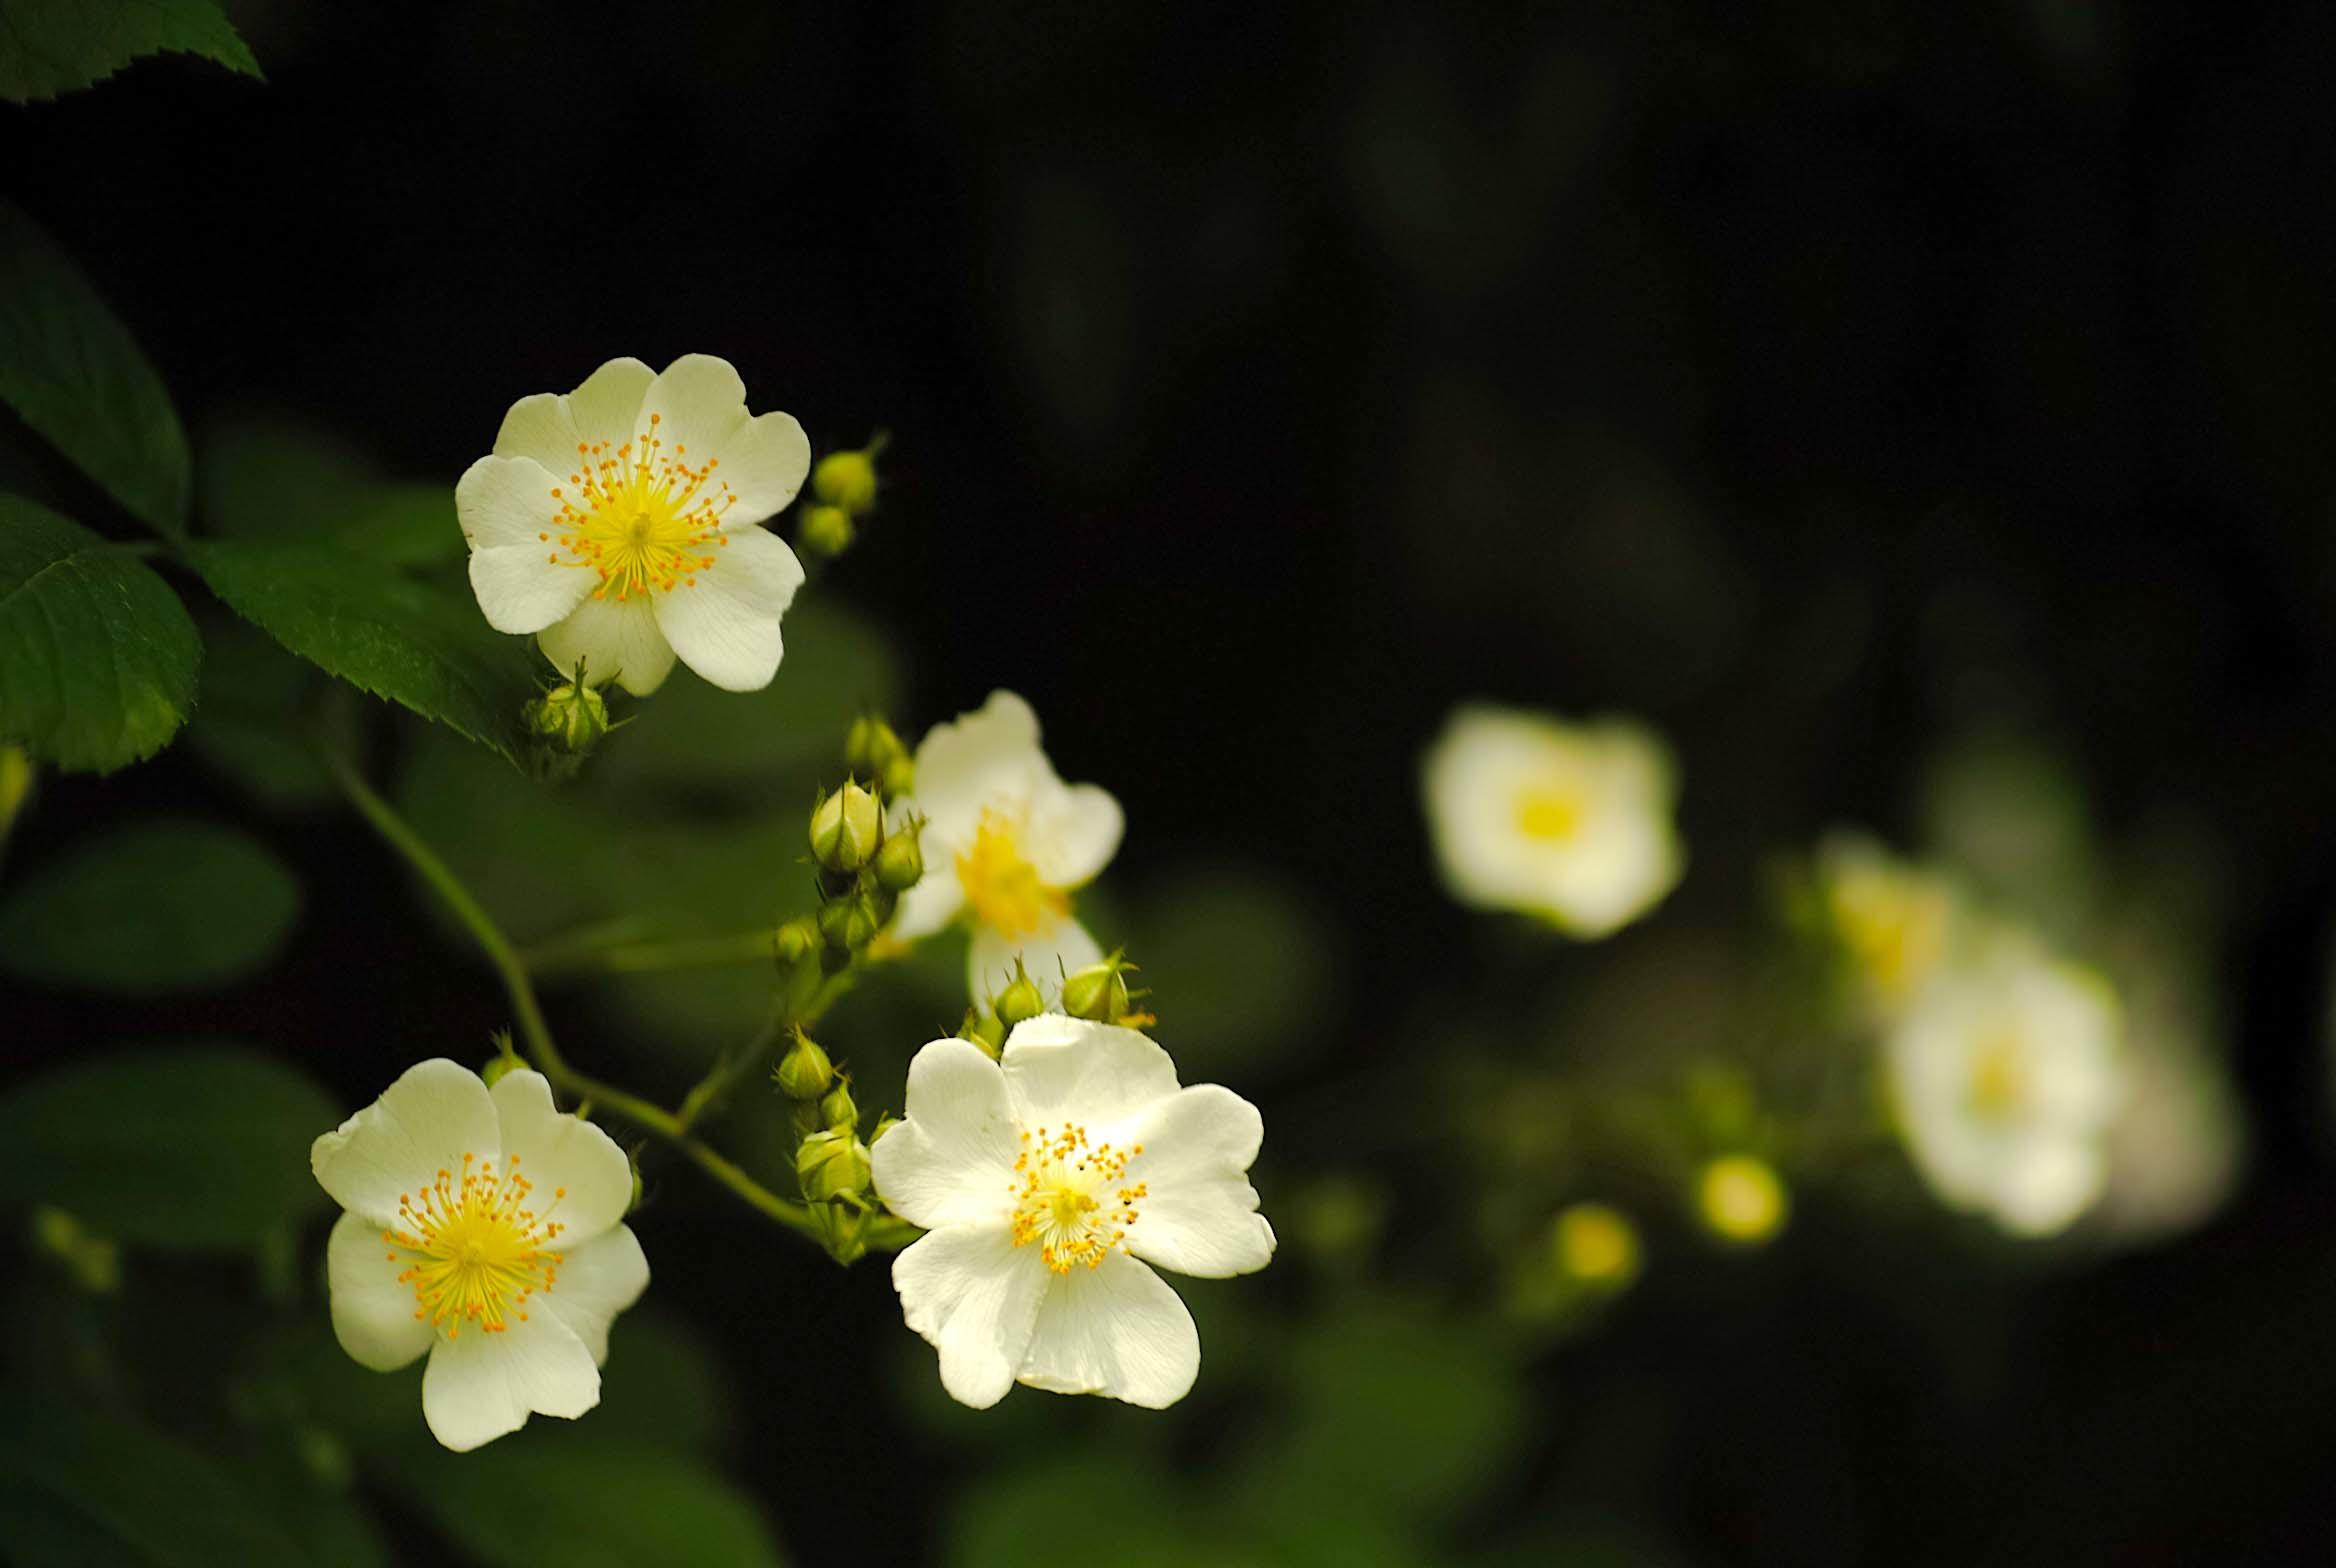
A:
(78, 1478)
(383, 632)
(69, 366)
(156, 906)
(662, 1378)
(541, 1496)
(97, 657)
(410, 525)
(194, 1146)
(1019, 1518)
(263, 710)
(286, 478)
(1239, 964)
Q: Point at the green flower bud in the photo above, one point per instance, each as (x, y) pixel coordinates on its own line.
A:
(900, 863)
(497, 1066)
(846, 828)
(1020, 999)
(1100, 991)
(825, 531)
(899, 776)
(838, 1109)
(871, 746)
(1742, 1200)
(831, 1164)
(884, 1124)
(984, 1030)
(804, 1073)
(798, 939)
(846, 479)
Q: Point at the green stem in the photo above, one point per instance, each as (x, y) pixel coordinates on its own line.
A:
(569, 955)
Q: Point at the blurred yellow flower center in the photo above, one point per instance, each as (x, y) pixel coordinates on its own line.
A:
(1072, 1199)
(1999, 1075)
(472, 1248)
(1895, 932)
(639, 516)
(1550, 813)
(1001, 887)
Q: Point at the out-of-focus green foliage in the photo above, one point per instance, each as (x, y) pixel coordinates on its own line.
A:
(72, 370)
(264, 712)
(1240, 965)
(49, 47)
(160, 906)
(98, 659)
(177, 1146)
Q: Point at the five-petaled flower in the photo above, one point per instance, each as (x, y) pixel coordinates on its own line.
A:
(1047, 1180)
(618, 523)
(1571, 822)
(485, 1228)
(1005, 843)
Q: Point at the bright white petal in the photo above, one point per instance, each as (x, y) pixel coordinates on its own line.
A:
(1077, 836)
(607, 406)
(521, 589)
(596, 1281)
(2049, 1184)
(480, 1386)
(1061, 1069)
(1116, 1329)
(951, 1160)
(540, 428)
(1050, 953)
(374, 1314)
(763, 463)
(974, 1296)
(437, 1112)
(581, 1179)
(617, 639)
(698, 403)
(932, 903)
(983, 758)
(1201, 1215)
(725, 626)
(505, 501)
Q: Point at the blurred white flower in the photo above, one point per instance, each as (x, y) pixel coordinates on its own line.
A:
(1571, 822)
(1043, 1178)
(485, 1228)
(1894, 923)
(618, 524)
(2006, 1075)
(1005, 842)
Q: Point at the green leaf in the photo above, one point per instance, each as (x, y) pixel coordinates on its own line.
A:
(86, 1488)
(383, 632)
(189, 1146)
(158, 906)
(263, 712)
(1240, 964)
(49, 47)
(279, 476)
(69, 366)
(97, 657)
(541, 1496)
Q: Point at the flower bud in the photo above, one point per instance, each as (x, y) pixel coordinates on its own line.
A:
(847, 479)
(1020, 999)
(831, 1164)
(1596, 1245)
(899, 776)
(572, 716)
(900, 862)
(825, 531)
(1741, 1199)
(798, 939)
(804, 1073)
(871, 746)
(1100, 991)
(984, 1030)
(846, 827)
(497, 1065)
(884, 1124)
(838, 1110)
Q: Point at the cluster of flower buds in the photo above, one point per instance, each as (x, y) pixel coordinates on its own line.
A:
(843, 490)
(563, 725)
(831, 1161)
(864, 867)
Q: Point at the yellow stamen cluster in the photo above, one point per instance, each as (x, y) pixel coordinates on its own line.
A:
(472, 1249)
(1001, 886)
(1072, 1197)
(639, 516)
(1999, 1075)
(1550, 813)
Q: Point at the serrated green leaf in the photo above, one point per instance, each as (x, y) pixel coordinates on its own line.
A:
(383, 632)
(98, 659)
(76, 375)
(49, 47)
(188, 1146)
(159, 906)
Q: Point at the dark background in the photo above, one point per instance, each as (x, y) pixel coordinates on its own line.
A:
(1817, 381)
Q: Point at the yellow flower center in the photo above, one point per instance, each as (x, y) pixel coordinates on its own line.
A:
(472, 1249)
(1001, 887)
(1551, 813)
(1894, 932)
(639, 516)
(1072, 1199)
(1999, 1075)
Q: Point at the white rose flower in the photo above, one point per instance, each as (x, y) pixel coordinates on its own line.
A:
(2006, 1076)
(1006, 842)
(485, 1228)
(617, 523)
(1048, 1179)
(1571, 822)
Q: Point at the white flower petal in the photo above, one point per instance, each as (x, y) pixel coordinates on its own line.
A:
(980, 759)
(596, 1281)
(763, 462)
(521, 589)
(1050, 953)
(1118, 1330)
(375, 1316)
(1077, 835)
(974, 1296)
(617, 639)
(725, 626)
(424, 1123)
(480, 1386)
(2049, 1183)
(580, 1178)
(1201, 1214)
(698, 402)
(506, 501)
(607, 407)
(540, 428)
(1061, 1069)
(950, 1161)
(937, 899)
